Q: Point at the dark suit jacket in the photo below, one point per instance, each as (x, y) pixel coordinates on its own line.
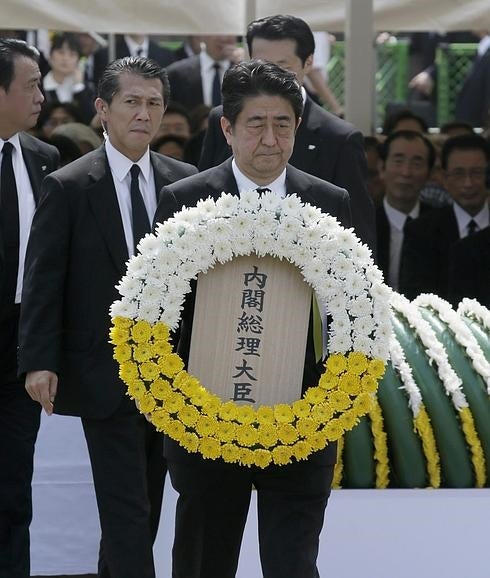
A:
(75, 257)
(469, 269)
(40, 159)
(427, 246)
(473, 101)
(185, 82)
(383, 237)
(327, 197)
(326, 147)
(162, 55)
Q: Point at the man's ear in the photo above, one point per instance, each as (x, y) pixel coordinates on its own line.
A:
(308, 64)
(226, 128)
(298, 122)
(101, 107)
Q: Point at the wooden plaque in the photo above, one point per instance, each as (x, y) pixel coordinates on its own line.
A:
(250, 329)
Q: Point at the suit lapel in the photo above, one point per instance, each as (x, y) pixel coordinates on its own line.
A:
(103, 200)
(222, 179)
(161, 173)
(306, 143)
(37, 165)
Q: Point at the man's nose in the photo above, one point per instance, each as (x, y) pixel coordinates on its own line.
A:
(269, 135)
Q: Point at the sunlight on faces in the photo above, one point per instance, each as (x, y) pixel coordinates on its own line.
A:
(405, 173)
(283, 54)
(262, 138)
(20, 105)
(465, 179)
(133, 117)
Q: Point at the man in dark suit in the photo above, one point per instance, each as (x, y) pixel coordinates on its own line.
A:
(262, 104)
(469, 269)
(429, 240)
(325, 145)
(197, 79)
(92, 214)
(132, 45)
(406, 160)
(24, 162)
(473, 101)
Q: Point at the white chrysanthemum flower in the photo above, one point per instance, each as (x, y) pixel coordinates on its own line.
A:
(364, 325)
(242, 245)
(362, 343)
(271, 202)
(219, 230)
(311, 215)
(187, 217)
(137, 267)
(340, 343)
(340, 324)
(265, 221)
(310, 236)
(357, 283)
(129, 287)
(347, 239)
(223, 250)
(292, 205)
(150, 245)
(359, 306)
(362, 253)
(249, 201)
(124, 308)
(227, 204)
(263, 245)
(206, 208)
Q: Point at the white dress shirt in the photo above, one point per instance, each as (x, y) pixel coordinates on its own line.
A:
(64, 91)
(207, 75)
(120, 168)
(481, 219)
(277, 186)
(397, 220)
(27, 205)
(136, 49)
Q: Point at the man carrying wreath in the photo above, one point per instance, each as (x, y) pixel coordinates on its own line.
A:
(262, 104)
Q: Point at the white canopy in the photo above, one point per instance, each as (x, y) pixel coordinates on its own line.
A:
(230, 17)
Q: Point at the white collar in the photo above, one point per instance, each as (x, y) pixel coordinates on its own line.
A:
(121, 165)
(14, 140)
(278, 186)
(134, 46)
(50, 83)
(484, 45)
(463, 218)
(207, 63)
(397, 218)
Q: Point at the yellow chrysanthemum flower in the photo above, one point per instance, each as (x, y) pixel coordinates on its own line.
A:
(200, 396)
(376, 368)
(267, 435)
(122, 322)
(212, 405)
(306, 426)
(230, 453)
(174, 402)
(301, 408)
(301, 450)
(245, 414)
(146, 403)
(188, 415)
(210, 448)
(170, 364)
(190, 441)
(357, 362)
(333, 430)
(226, 431)
(328, 380)
(142, 352)
(128, 371)
(122, 353)
(246, 457)
(281, 455)
(339, 401)
(348, 420)
(336, 363)
(161, 389)
(318, 440)
(350, 383)
(246, 435)
(362, 404)
(136, 389)
(315, 395)
(160, 419)
(322, 412)
(228, 411)
(206, 426)
(265, 414)
(262, 458)
(287, 433)
(160, 348)
(119, 335)
(175, 429)
(369, 383)
(283, 413)
(160, 332)
(149, 370)
(141, 331)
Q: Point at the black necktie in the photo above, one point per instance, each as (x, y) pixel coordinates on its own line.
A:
(408, 220)
(9, 221)
(141, 223)
(262, 190)
(216, 94)
(472, 228)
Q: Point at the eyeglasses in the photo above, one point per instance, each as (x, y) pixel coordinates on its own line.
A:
(474, 174)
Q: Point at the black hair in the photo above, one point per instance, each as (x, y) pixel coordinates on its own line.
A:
(393, 119)
(283, 27)
(137, 65)
(48, 108)
(255, 78)
(62, 38)
(10, 49)
(457, 125)
(411, 135)
(466, 142)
